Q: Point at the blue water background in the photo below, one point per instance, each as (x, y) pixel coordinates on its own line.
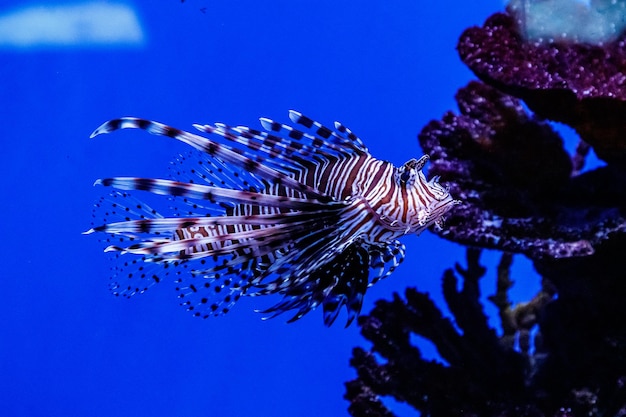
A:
(69, 348)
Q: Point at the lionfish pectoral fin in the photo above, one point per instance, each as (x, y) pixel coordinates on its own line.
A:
(384, 259)
(342, 281)
(214, 194)
(256, 254)
(212, 271)
(352, 269)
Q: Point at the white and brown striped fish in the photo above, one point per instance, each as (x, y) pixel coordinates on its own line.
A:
(303, 212)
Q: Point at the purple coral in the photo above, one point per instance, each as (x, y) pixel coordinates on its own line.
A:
(581, 85)
(514, 178)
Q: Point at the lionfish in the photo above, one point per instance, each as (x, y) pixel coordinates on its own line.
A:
(304, 212)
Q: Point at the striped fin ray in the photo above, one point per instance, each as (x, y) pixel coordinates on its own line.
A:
(213, 194)
(279, 154)
(332, 145)
(171, 224)
(384, 259)
(285, 149)
(339, 283)
(252, 240)
(256, 165)
(318, 247)
(342, 134)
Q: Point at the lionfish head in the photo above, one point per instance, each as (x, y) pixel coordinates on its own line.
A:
(427, 201)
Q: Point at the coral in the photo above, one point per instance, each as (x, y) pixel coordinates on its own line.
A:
(481, 377)
(581, 85)
(515, 181)
(577, 367)
(563, 352)
(584, 330)
(519, 320)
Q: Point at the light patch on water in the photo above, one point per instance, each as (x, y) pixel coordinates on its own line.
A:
(584, 21)
(93, 24)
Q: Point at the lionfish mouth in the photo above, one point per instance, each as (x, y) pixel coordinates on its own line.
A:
(444, 206)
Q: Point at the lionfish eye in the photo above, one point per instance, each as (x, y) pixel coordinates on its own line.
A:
(405, 176)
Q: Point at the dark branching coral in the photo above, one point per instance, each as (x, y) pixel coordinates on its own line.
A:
(584, 330)
(481, 377)
(577, 368)
(521, 193)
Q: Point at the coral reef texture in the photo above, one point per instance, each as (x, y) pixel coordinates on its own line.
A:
(562, 353)
(581, 85)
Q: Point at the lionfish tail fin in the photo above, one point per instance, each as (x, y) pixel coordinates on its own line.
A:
(129, 276)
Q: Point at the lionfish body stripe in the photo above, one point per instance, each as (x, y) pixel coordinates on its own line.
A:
(305, 212)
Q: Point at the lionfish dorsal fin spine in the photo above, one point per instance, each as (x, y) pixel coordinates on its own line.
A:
(342, 134)
(224, 152)
(278, 154)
